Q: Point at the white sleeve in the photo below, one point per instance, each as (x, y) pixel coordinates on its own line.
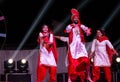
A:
(41, 40)
(51, 38)
(40, 35)
(64, 39)
(68, 28)
(93, 45)
(84, 27)
(109, 44)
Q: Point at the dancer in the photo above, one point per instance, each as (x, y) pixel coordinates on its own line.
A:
(77, 53)
(103, 51)
(66, 39)
(48, 55)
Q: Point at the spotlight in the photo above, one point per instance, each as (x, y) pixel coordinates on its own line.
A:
(9, 66)
(91, 60)
(10, 61)
(23, 61)
(118, 63)
(22, 66)
(118, 59)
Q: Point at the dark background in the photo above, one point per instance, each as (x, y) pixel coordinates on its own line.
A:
(21, 14)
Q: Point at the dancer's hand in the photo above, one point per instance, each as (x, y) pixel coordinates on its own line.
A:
(88, 32)
(90, 55)
(115, 52)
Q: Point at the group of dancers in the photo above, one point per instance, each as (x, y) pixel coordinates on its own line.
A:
(77, 56)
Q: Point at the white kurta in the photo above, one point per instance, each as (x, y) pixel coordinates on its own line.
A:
(47, 58)
(101, 57)
(77, 48)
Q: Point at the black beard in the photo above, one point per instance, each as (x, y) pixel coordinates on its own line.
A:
(76, 21)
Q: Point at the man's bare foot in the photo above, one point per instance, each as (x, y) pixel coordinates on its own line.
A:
(89, 79)
(69, 80)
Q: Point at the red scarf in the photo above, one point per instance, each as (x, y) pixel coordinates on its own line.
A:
(109, 51)
(81, 34)
(53, 46)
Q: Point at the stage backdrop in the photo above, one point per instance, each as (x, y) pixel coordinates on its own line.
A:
(32, 56)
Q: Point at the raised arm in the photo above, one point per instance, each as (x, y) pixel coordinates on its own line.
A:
(86, 30)
(39, 39)
(68, 29)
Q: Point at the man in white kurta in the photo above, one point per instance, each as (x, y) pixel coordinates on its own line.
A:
(77, 53)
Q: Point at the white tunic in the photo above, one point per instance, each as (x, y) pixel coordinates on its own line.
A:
(77, 48)
(101, 57)
(47, 58)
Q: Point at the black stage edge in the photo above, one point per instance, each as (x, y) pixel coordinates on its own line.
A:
(15, 77)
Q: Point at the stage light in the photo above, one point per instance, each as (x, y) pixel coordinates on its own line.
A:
(79, 7)
(110, 18)
(10, 61)
(91, 60)
(118, 59)
(22, 66)
(34, 24)
(118, 63)
(23, 61)
(9, 66)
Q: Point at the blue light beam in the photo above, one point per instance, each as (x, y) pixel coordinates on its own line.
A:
(34, 24)
(110, 18)
(59, 26)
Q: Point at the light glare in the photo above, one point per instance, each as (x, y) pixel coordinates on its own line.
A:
(91, 59)
(118, 59)
(23, 61)
(10, 61)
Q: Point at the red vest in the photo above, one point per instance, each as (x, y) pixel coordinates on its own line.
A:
(81, 33)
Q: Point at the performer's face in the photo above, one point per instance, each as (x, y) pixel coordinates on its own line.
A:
(75, 20)
(99, 33)
(45, 28)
